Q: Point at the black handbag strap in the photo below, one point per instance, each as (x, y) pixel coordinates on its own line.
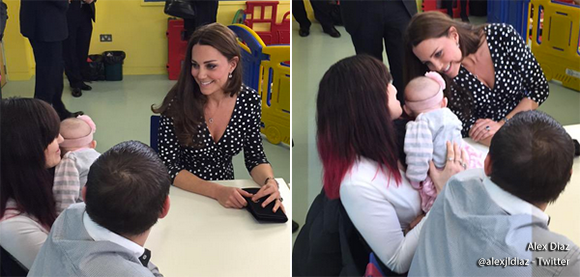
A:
(9, 266)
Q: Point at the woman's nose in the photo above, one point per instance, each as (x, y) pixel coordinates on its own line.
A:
(435, 65)
(201, 72)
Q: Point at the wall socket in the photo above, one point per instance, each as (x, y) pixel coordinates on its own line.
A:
(106, 38)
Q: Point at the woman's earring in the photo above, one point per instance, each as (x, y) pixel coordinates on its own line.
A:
(230, 76)
(458, 45)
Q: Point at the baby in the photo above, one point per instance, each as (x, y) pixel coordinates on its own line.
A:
(426, 137)
(79, 153)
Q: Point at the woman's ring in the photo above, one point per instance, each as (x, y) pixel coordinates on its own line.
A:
(464, 165)
(451, 159)
(281, 199)
(487, 128)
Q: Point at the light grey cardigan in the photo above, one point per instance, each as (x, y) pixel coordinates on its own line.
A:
(70, 251)
(467, 230)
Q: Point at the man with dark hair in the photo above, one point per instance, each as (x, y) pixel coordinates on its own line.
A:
(126, 192)
(491, 222)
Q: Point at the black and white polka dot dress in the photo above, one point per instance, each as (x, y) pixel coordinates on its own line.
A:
(214, 160)
(517, 75)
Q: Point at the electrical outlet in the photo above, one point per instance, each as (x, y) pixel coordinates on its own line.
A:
(106, 38)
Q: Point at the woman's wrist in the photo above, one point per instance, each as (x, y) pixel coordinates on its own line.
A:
(504, 120)
(439, 184)
(215, 188)
(272, 181)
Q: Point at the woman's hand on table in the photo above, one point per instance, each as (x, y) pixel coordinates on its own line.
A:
(271, 189)
(231, 197)
(484, 128)
(457, 161)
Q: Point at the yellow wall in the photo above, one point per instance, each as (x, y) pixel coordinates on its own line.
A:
(19, 58)
(138, 29)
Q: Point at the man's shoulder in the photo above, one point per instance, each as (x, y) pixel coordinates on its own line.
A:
(550, 244)
(472, 177)
(75, 211)
(86, 257)
(111, 263)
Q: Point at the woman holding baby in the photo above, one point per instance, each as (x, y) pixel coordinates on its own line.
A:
(364, 168)
(29, 149)
(492, 74)
(369, 157)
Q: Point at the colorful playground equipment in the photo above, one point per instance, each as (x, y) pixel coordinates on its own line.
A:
(556, 42)
(267, 70)
(261, 17)
(258, 15)
(275, 92)
(251, 47)
(431, 5)
(555, 30)
(513, 12)
(176, 46)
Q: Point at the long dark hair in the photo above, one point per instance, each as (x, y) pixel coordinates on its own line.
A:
(435, 24)
(185, 102)
(353, 119)
(28, 127)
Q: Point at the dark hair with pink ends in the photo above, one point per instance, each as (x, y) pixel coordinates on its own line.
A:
(353, 119)
(28, 127)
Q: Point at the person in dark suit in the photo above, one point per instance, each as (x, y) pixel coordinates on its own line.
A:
(369, 23)
(321, 10)
(448, 4)
(206, 13)
(44, 24)
(3, 18)
(80, 15)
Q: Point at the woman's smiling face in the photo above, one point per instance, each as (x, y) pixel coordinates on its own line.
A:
(441, 54)
(210, 69)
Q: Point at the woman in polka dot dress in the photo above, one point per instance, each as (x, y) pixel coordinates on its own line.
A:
(208, 117)
(491, 72)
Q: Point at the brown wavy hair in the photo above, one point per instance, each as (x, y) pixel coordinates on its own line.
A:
(185, 103)
(434, 24)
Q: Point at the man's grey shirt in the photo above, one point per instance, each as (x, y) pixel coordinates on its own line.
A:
(467, 231)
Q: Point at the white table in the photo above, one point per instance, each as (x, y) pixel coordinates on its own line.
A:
(199, 237)
(565, 212)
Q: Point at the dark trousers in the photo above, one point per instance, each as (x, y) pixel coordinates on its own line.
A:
(449, 5)
(76, 46)
(386, 24)
(206, 14)
(49, 69)
(321, 13)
